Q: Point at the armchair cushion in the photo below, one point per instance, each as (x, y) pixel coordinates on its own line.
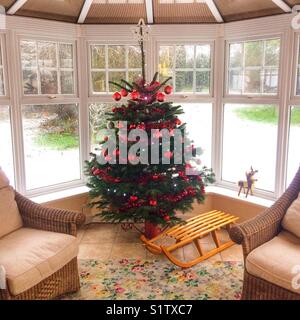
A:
(29, 256)
(10, 218)
(291, 220)
(275, 260)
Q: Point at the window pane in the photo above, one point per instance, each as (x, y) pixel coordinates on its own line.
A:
(6, 156)
(185, 56)
(184, 81)
(133, 75)
(294, 150)
(270, 80)
(48, 82)
(236, 55)
(28, 54)
(198, 117)
(115, 76)
(51, 144)
(98, 81)
(67, 81)
(116, 57)
(134, 57)
(30, 85)
(235, 81)
(298, 82)
(272, 52)
(253, 67)
(250, 139)
(65, 55)
(98, 120)
(98, 57)
(203, 56)
(253, 53)
(202, 81)
(1, 83)
(47, 54)
(166, 58)
(252, 81)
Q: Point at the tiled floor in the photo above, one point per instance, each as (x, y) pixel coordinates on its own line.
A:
(110, 241)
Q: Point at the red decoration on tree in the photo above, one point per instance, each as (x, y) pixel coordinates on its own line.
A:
(134, 95)
(117, 96)
(160, 97)
(167, 218)
(105, 138)
(168, 154)
(155, 177)
(177, 121)
(133, 198)
(168, 89)
(124, 93)
(153, 202)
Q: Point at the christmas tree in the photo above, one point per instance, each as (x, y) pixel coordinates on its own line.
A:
(145, 170)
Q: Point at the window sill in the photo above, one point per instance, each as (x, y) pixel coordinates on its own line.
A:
(68, 193)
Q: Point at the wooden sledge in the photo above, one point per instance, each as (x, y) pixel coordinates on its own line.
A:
(191, 231)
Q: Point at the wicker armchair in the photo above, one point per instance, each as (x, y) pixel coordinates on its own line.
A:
(60, 221)
(259, 230)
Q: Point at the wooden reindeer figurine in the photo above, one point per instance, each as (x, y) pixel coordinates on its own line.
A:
(249, 183)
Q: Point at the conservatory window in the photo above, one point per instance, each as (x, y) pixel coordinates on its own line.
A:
(51, 144)
(188, 65)
(47, 67)
(112, 63)
(253, 67)
(6, 155)
(198, 119)
(2, 85)
(250, 139)
(294, 151)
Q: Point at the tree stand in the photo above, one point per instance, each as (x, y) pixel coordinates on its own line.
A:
(191, 231)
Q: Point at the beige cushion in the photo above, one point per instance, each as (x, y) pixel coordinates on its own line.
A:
(30, 256)
(291, 220)
(4, 182)
(276, 260)
(10, 218)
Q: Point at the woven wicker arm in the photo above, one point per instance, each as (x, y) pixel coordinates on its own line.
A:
(40, 217)
(266, 225)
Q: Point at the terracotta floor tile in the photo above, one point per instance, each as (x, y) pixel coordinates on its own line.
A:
(128, 250)
(234, 253)
(94, 251)
(100, 233)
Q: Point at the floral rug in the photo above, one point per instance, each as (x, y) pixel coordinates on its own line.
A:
(158, 279)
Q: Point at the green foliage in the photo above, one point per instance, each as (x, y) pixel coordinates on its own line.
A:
(265, 114)
(57, 141)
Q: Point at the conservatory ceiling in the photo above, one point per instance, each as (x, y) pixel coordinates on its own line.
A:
(153, 11)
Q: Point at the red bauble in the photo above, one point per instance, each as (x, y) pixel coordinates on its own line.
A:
(114, 109)
(105, 138)
(124, 93)
(96, 172)
(168, 90)
(116, 152)
(134, 95)
(177, 121)
(167, 218)
(117, 180)
(153, 202)
(160, 97)
(168, 154)
(155, 177)
(133, 198)
(117, 96)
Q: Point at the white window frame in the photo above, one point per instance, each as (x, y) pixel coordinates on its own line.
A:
(194, 43)
(266, 96)
(106, 70)
(57, 42)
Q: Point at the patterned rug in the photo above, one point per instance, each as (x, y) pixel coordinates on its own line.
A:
(158, 279)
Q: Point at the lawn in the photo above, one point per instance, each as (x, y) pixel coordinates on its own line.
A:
(57, 141)
(265, 114)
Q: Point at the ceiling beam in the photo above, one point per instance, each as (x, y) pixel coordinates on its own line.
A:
(85, 10)
(214, 10)
(16, 6)
(149, 10)
(282, 5)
